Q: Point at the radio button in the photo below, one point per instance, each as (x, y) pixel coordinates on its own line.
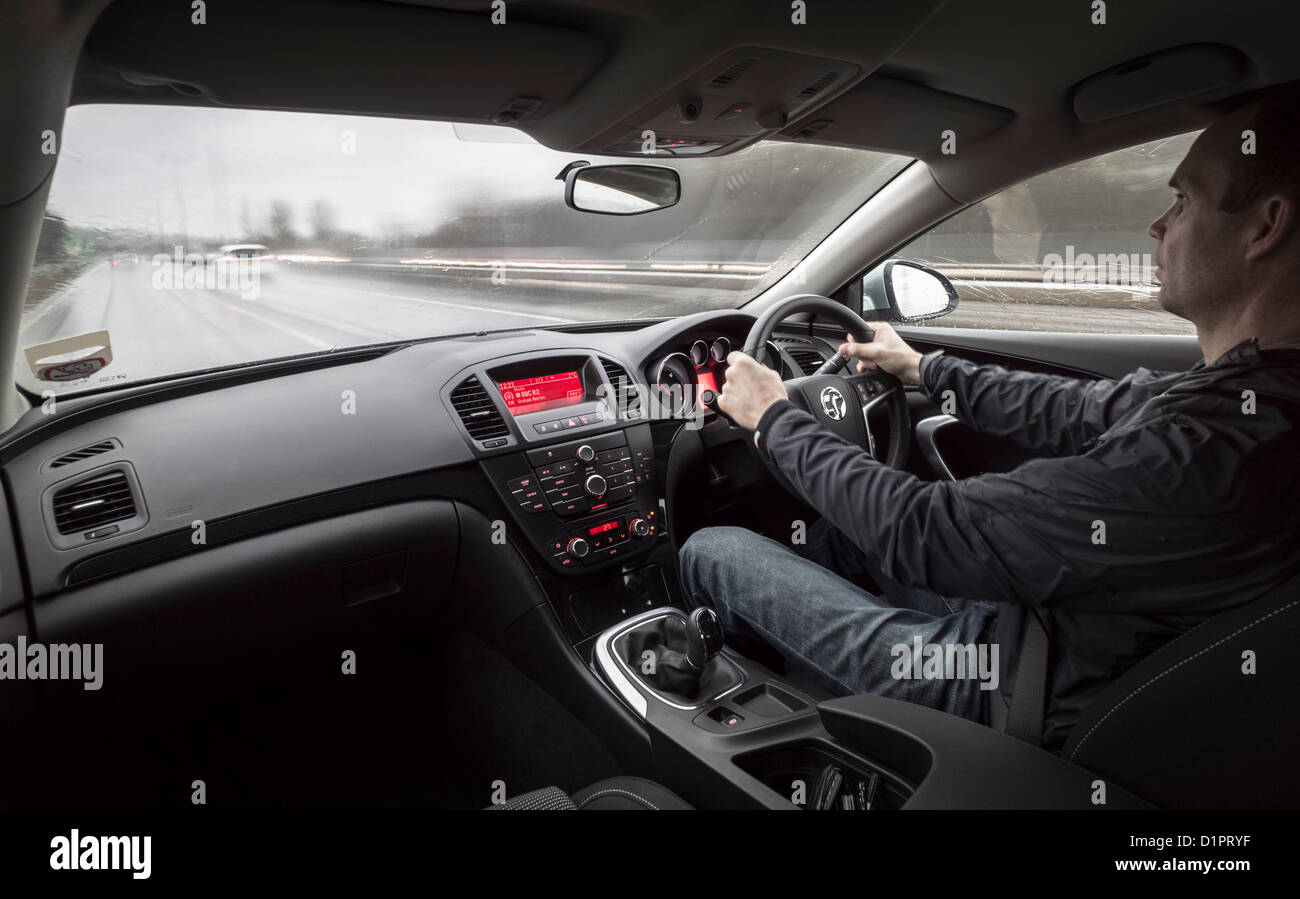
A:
(621, 493)
(572, 507)
(527, 497)
(554, 469)
(563, 496)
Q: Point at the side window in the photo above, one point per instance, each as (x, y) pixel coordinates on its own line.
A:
(1064, 251)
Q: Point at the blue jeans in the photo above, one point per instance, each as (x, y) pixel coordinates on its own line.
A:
(809, 602)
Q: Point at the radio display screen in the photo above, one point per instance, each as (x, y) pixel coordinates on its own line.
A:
(554, 391)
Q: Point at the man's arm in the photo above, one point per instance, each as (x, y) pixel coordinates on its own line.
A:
(1082, 532)
(1049, 414)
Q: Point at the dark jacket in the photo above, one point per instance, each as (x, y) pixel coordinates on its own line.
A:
(1195, 477)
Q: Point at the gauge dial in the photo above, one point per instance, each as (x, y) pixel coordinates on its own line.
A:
(675, 382)
(720, 349)
(699, 353)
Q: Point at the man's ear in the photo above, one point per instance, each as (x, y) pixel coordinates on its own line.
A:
(1271, 226)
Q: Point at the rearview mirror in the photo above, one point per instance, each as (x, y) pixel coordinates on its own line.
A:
(620, 189)
(899, 290)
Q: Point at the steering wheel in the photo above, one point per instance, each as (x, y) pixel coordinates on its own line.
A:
(842, 403)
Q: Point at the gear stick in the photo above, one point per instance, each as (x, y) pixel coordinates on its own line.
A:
(703, 637)
(680, 655)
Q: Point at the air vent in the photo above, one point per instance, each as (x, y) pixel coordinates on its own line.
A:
(85, 452)
(808, 360)
(625, 389)
(815, 88)
(724, 79)
(476, 411)
(93, 502)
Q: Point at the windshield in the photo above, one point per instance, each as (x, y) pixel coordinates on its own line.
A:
(180, 239)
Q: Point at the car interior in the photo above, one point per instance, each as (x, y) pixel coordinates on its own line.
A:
(443, 600)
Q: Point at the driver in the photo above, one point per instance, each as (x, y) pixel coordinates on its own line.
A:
(1159, 499)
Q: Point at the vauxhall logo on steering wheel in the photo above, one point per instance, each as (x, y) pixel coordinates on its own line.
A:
(834, 404)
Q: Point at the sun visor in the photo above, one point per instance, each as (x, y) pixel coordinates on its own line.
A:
(346, 56)
(1182, 73)
(896, 116)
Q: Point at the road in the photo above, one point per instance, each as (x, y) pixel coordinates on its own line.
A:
(161, 330)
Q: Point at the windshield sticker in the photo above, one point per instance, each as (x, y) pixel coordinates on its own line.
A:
(70, 358)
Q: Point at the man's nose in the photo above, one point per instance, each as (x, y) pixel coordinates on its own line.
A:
(1156, 229)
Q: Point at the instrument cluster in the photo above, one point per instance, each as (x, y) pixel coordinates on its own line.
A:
(679, 377)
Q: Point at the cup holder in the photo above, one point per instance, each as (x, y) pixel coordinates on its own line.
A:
(795, 770)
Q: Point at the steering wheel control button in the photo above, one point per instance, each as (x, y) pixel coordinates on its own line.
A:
(639, 527)
(585, 453)
(594, 485)
(578, 548)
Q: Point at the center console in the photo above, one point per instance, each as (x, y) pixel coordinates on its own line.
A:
(561, 437)
(729, 732)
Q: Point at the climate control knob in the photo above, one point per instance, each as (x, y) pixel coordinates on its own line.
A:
(594, 485)
(586, 453)
(578, 548)
(639, 527)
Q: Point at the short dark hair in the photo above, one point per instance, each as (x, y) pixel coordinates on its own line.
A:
(1275, 166)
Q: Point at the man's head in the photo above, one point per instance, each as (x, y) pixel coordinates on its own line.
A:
(1232, 235)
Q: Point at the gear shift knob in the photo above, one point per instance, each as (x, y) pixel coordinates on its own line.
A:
(704, 637)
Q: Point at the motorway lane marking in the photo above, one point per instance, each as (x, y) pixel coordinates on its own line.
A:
(398, 296)
(292, 332)
(373, 335)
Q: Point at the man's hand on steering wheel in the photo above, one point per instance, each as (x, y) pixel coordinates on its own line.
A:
(750, 390)
(887, 351)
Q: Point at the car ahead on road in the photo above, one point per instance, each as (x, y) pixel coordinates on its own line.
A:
(251, 255)
(124, 259)
(401, 534)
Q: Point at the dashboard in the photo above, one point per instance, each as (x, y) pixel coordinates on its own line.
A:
(256, 448)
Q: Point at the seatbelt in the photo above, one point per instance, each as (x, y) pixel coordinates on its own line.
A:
(1029, 696)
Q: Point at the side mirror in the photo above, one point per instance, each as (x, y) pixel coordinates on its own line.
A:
(620, 189)
(899, 290)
